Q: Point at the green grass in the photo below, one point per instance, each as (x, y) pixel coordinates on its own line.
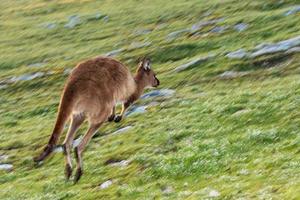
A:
(239, 137)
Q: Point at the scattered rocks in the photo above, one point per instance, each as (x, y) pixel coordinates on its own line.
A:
(198, 26)
(241, 53)
(240, 27)
(106, 184)
(158, 93)
(73, 21)
(213, 193)
(122, 130)
(232, 74)
(197, 61)
(293, 10)
(7, 167)
(114, 52)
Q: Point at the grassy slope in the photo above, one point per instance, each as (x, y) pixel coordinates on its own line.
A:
(195, 142)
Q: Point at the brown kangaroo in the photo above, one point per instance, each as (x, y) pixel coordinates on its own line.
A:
(91, 92)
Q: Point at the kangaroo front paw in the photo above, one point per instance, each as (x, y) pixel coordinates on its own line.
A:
(118, 118)
(111, 118)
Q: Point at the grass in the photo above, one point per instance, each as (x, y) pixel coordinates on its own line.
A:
(238, 137)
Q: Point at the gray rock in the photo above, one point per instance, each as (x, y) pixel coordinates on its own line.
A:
(74, 20)
(198, 26)
(77, 142)
(27, 77)
(241, 53)
(41, 64)
(106, 184)
(240, 27)
(158, 93)
(277, 47)
(293, 10)
(136, 110)
(106, 18)
(197, 61)
(293, 50)
(122, 130)
(58, 149)
(7, 167)
(3, 157)
(232, 74)
(114, 52)
(49, 25)
(177, 34)
(137, 45)
(219, 29)
(122, 163)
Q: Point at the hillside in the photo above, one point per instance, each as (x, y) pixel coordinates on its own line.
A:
(223, 124)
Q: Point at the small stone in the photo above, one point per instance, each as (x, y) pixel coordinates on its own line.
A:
(136, 110)
(122, 130)
(122, 163)
(58, 149)
(74, 20)
(192, 63)
(214, 193)
(241, 53)
(106, 184)
(77, 142)
(176, 34)
(106, 18)
(240, 27)
(114, 52)
(232, 74)
(7, 167)
(293, 10)
(168, 190)
(158, 93)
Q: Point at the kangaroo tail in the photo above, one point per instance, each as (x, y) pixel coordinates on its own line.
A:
(64, 112)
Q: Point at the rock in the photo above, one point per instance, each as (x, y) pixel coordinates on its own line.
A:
(213, 193)
(293, 50)
(137, 45)
(106, 184)
(114, 52)
(176, 34)
(74, 20)
(197, 61)
(7, 167)
(49, 25)
(122, 130)
(168, 190)
(122, 163)
(27, 77)
(277, 47)
(293, 10)
(3, 157)
(58, 149)
(241, 53)
(77, 142)
(232, 74)
(136, 110)
(106, 18)
(240, 27)
(142, 32)
(98, 16)
(219, 29)
(37, 64)
(158, 93)
(198, 26)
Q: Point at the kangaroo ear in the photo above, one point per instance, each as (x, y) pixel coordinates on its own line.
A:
(146, 63)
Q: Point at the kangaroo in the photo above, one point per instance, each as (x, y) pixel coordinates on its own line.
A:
(91, 93)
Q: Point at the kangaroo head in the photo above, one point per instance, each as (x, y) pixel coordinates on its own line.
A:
(146, 74)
